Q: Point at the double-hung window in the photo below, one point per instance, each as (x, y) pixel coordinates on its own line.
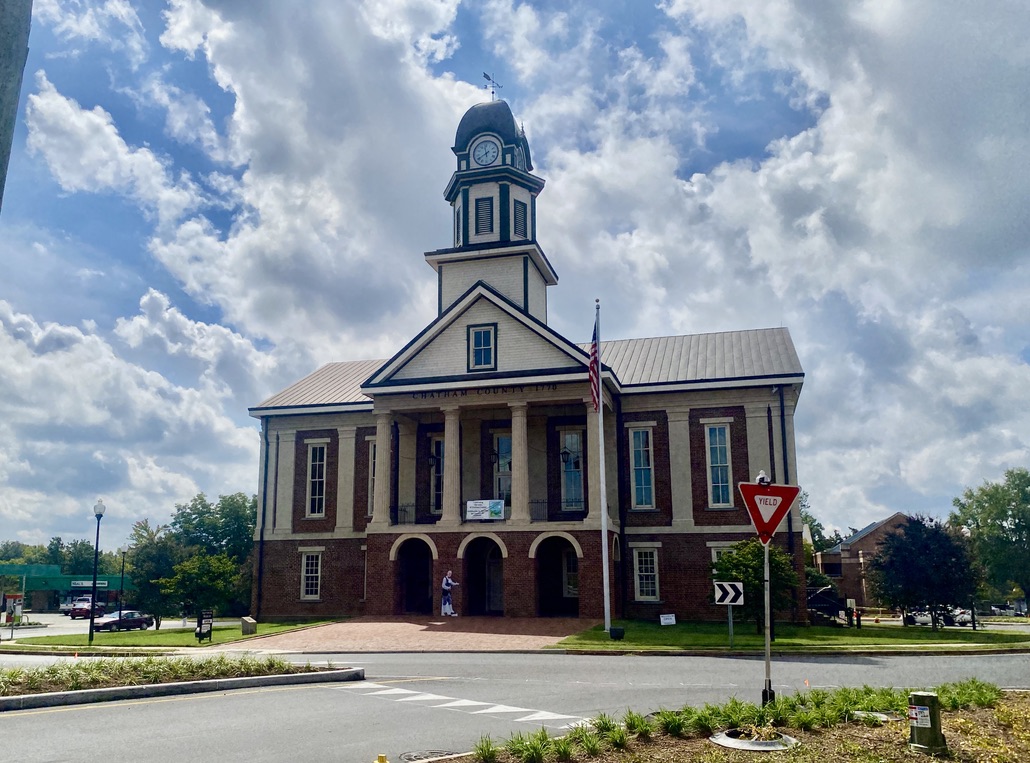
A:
(315, 505)
(311, 575)
(571, 454)
(482, 347)
(642, 459)
(645, 574)
(717, 446)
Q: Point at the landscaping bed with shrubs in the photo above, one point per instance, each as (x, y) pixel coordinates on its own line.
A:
(103, 673)
(981, 724)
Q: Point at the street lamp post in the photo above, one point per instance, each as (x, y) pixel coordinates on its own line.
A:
(98, 511)
(121, 586)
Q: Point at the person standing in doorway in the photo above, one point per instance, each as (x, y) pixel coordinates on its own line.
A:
(446, 606)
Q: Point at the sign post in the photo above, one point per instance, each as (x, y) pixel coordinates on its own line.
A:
(732, 595)
(767, 504)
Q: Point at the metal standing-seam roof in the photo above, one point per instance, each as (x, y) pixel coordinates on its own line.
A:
(751, 354)
(692, 358)
(333, 384)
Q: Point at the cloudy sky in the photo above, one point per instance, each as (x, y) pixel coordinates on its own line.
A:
(209, 199)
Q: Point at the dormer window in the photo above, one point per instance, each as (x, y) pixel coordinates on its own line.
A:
(482, 347)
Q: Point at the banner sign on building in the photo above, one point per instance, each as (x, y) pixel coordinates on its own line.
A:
(88, 584)
(484, 510)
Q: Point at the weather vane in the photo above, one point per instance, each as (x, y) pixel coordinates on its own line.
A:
(494, 85)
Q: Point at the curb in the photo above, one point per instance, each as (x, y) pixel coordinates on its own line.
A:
(113, 693)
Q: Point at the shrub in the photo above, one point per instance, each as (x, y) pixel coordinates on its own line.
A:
(485, 750)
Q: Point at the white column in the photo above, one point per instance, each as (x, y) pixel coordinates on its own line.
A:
(284, 488)
(345, 480)
(519, 463)
(679, 463)
(593, 460)
(381, 498)
(451, 514)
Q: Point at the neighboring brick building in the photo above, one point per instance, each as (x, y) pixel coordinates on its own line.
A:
(846, 562)
(476, 447)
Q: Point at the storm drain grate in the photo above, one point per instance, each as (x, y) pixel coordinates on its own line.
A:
(410, 757)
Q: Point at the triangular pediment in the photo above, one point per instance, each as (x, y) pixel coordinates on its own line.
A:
(525, 348)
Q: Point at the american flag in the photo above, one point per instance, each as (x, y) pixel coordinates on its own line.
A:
(595, 371)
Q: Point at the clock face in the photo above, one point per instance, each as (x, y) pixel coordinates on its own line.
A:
(485, 152)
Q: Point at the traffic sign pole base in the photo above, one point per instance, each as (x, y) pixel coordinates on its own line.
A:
(768, 695)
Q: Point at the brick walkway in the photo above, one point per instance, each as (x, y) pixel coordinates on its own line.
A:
(422, 634)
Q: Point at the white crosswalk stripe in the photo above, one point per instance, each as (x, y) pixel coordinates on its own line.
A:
(472, 706)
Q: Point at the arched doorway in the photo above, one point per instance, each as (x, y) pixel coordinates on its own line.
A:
(558, 578)
(484, 577)
(415, 577)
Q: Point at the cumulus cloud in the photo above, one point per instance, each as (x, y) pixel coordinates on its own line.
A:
(112, 24)
(879, 215)
(87, 420)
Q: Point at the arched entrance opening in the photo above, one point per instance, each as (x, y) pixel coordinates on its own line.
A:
(484, 577)
(415, 577)
(557, 578)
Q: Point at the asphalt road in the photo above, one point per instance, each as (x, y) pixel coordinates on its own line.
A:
(414, 704)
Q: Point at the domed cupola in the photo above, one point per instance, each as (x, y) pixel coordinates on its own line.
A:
(492, 119)
(492, 194)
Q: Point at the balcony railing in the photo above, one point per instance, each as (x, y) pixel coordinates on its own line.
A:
(407, 514)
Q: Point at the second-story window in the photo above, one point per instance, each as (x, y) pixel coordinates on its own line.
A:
(571, 454)
(436, 475)
(316, 479)
(502, 468)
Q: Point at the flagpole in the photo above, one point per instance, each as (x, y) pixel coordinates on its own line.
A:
(601, 482)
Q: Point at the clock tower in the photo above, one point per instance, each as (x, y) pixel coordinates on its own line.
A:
(492, 194)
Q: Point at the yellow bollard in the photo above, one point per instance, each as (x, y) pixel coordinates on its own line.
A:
(381, 759)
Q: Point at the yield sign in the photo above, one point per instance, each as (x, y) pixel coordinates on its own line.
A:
(767, 505)
(729, 593)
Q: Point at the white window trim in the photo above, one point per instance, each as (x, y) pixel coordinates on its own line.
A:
(371, 444)
(304, 557)
(718, 547)
(311, 445)
(630, 429)
(638, 549)
(709, 425)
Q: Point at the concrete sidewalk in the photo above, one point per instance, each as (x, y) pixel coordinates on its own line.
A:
(421, 634)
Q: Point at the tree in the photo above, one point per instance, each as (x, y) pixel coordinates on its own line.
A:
(923, 564)
(202, 582)
(153, 554)
(78, 557)
(997, 517)
(225, 527)
(745, 562)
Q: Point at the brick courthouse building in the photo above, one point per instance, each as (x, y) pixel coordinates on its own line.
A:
(474, 448)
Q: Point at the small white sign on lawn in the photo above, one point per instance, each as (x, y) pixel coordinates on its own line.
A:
(667, 619)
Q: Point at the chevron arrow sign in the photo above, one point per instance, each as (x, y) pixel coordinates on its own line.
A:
(729, 593)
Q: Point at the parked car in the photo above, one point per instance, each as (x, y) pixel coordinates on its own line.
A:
(962, 616)
(923, 618)
(81, 609)
(128, 620)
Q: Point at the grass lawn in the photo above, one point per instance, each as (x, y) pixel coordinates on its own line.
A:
(175, 637)
(650, 635)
